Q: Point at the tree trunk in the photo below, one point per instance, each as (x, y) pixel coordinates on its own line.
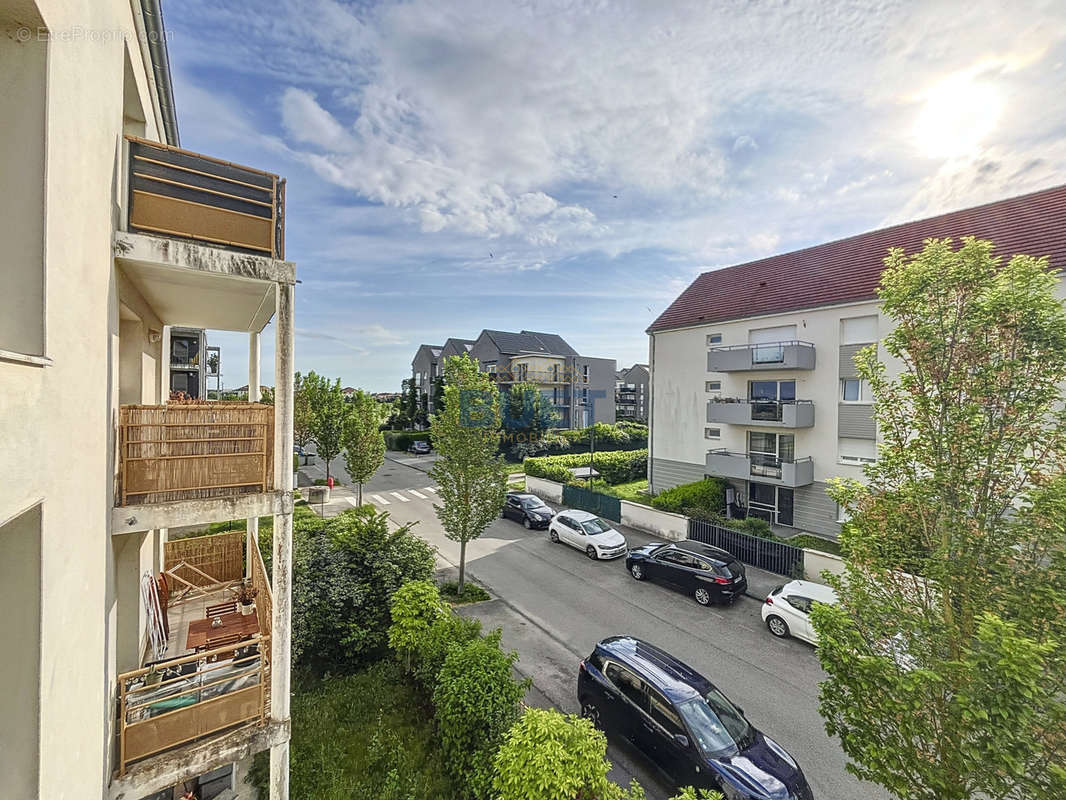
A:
(360, 492)
(462, 568)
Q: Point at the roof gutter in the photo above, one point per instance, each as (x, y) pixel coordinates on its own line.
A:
(157, 47)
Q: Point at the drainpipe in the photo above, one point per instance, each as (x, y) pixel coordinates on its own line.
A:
(252, 539)
(651, 408)
(156, 35)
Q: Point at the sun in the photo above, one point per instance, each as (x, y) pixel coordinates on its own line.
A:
(959, 113)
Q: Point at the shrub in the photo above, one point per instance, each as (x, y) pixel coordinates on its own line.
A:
(415, 607)
(477, 702)
(401, 440)
(472, 593)
(615, 466)
(547, 755)
(448, 632)
(707, 494)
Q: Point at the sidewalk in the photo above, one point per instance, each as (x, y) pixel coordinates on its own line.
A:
(341, 499)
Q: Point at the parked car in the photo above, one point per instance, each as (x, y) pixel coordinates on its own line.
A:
(684, 723)
(419, 448)
(528, 509)
(710, 574)
(787, 609)
(587, 532)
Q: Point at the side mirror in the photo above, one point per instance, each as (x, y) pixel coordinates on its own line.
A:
(681, 741)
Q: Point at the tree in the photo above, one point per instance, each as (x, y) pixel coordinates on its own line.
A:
(302, 419)
(527, 412)
(410, 403)
(328, 412)
(416, 606)
(362, 439)
(476, 701)
(466, 435)
(438, 394)
(946, 657)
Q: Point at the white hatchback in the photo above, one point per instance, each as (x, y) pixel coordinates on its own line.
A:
(587, 532)
(787, 609)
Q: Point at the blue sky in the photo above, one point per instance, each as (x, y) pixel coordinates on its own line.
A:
(571, 166)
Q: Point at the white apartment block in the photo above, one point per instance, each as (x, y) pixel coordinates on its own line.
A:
(753, 378)
(116, 684)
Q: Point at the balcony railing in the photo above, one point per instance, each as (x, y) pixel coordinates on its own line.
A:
(775, 413)
(188, 452)
(174, 192)
(767, 356)
(762, 466)
(188, 699)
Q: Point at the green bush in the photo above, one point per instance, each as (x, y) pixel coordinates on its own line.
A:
(472, 593)
(614, 466)
(401, 440)
(448, 632)
(547, 755)
(707, 494)
(416, 606)
(477, 702)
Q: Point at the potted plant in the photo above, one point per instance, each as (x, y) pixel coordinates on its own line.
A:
(246, 598)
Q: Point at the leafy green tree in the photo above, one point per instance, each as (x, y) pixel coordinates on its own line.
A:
(448, 632)
(466, 435)
(946, 657)
(476, 699)
(328, 413)
(416, 606)
(438, 394)
(302, 420)
(362, 439)
(410, 403)
(526, 411)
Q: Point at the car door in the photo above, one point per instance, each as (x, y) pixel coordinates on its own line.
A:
(569, 532)
(799, 619)
(510, 507)
(663, 725)
(666, 566)
(624, 700)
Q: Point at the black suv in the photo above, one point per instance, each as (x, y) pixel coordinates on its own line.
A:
(528, 509)
(684, 723)
(710, 574)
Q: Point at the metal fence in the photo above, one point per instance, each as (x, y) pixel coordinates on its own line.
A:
(784, 559)
(600, 504)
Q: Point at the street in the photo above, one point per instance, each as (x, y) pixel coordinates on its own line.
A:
(554, 604)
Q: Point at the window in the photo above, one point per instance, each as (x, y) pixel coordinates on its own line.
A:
(712, 433)
(628, 684)
(855, 390)
(856, 451)
(771, 503)
(713, 339)
(662, 712)
(801, 604)
(858, 330)
(585, 374)
(713, 386)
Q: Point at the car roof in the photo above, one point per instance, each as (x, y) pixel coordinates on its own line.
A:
(706, 550)
(579, 515)
(674, 678)
(523, 496)
(811, 590)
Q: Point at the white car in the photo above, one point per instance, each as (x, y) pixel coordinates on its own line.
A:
(787, 609)
(587, 532)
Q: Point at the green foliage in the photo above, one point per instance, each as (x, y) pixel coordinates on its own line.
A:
(952, 685)
(525, 411)
(547, 755)
(448, 632)
(811, 542)
(707, 494)
(364, 444)
(364, 736)
(615, 466)
(472, 593)
(401, 440)
(302, 421)
(416, 606)
(633, 491)
(688, 793)
(468, 471)
(328, 412)
(476, 699)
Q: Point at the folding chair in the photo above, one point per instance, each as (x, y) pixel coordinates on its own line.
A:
(229, 607)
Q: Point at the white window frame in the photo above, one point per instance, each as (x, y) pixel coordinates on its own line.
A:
(855, 460)
(865, 396)
(708, 386)
(714, 339)
(712, 433)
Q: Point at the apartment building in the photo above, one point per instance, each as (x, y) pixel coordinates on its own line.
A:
(116, 683)
(752, 370)
(425, 367)
(631, 393)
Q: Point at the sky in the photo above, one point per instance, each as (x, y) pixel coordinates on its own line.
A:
(572, 166)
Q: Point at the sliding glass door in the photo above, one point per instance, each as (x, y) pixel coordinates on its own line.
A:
(768, 450)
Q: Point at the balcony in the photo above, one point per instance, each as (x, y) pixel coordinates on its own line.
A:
(769, 413)
(177, 193)
(201, 700)
(761, 467)
(755, 357)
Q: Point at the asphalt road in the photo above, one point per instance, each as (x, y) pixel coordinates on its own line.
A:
(553, 604)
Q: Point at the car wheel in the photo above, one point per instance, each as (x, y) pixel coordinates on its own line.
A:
(637, 571)
(553, 536)
(703, 597)
(590, 712)
(590, 551)
(778, 627)
(526, 523)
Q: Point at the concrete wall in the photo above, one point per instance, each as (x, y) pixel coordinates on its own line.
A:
(673, 527)
(56, 422)
(815, 562)
(544, 489)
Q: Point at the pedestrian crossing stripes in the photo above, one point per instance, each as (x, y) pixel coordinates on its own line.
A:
(377, 498)
(400, 497)
(417, 494)
(403, 496)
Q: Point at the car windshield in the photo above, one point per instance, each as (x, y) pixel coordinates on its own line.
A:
(532, 502)
(595, 525)
(717, 724)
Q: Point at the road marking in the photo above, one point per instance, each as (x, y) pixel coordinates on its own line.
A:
(352, 501)
(417, 494)
(400, 497)
(379, 499)
(430, 489)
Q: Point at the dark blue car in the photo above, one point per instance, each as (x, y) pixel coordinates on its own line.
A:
(684, 723)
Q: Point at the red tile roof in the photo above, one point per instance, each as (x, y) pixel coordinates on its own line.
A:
(849, 270)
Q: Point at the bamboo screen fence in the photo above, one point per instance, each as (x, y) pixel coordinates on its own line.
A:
(194, 452)
(221, 556)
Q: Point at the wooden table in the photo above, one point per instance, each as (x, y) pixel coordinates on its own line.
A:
(201, 634)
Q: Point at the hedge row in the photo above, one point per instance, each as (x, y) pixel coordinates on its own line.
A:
(614, 466)
(707, 494)
(401, 440)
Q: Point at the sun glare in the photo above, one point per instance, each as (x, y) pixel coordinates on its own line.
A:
(958, 115)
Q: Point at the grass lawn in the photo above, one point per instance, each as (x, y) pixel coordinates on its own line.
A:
(815, 543)
(472, 593)
(633, 491)
(365, 736)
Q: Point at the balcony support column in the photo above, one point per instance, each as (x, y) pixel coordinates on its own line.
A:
(252, 541)
(281, 643)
